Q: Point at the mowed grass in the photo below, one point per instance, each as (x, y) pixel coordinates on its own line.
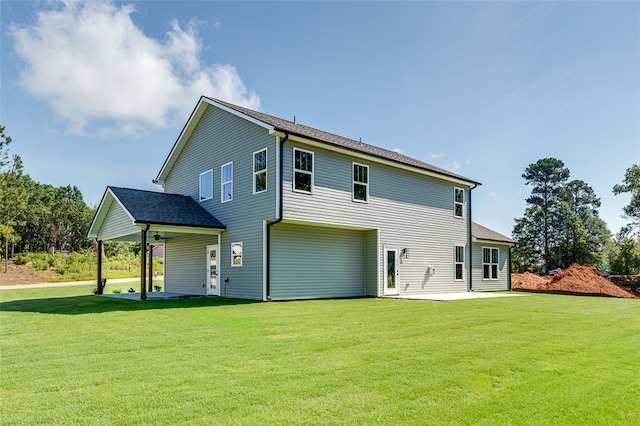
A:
(72, 358)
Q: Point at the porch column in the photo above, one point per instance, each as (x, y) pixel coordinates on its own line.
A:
(150, 268)
(143, 262)
(99, 254)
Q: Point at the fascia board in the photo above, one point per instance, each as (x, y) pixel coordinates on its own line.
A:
(103, 208)
(190, 126)
(375, 159)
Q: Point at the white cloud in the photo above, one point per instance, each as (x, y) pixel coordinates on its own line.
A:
(398, 150)
(92, 64)
(438, 155)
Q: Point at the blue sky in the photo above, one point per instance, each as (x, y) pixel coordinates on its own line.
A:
(96, 93)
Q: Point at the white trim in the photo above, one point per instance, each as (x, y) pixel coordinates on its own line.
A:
(497, 277)
(200, 186)
(277, 179)
(207, 289)
(455, 202)
(354, 183)
(374, 159)
(455, 262)
(223, 182)
(265, 170)
(233, 265)
(385, 264)
(312, 173)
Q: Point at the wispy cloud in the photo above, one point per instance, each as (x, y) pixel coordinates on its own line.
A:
(398, 150)
(438, 155)
(96, 69)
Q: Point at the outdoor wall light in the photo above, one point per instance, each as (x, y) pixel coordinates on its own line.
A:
(156, 237)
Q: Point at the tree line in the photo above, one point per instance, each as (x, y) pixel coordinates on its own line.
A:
(561, 224)
(35, 216)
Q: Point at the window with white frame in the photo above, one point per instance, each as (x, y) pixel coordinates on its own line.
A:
(206, 185)
(360, 182)
(490, 256)
(458, 201)
(236, 254)
(302, 170)
(459, 264)
(226, 182)
(260, 171)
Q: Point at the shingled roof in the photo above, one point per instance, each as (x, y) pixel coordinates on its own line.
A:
(158, 208)
(482, 233)
(290, 127)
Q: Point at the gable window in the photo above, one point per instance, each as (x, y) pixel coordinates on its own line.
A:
(206, 185)
(458, 201)
(360, 182)
(226, 183)
(236, 254)
(260, 171)
(490, 258)
(459, 264)
(302, 170)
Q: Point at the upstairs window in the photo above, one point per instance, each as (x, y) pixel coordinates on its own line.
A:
(302, 170)
(206, 185)
(360, 183)
(260, 171)
(490, 258)
(459, 264)
(458, 201)
(226, 184)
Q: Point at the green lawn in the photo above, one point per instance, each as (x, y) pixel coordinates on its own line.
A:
(72, 358)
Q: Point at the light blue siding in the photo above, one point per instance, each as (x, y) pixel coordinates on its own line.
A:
(317, 262)
(220, 138)
(410, 210)
(116, 224)
(185, 263)
(480, 284)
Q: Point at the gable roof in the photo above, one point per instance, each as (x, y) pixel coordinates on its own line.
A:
(479, 232)
(275, 124)
(158, 208)
(137, 207)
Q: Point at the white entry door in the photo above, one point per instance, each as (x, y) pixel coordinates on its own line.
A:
(390, 272)
(213, 286)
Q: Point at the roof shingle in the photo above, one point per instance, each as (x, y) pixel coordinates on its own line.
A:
(159, 208)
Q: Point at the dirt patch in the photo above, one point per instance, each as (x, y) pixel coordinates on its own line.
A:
(577, 279)
(22, 274)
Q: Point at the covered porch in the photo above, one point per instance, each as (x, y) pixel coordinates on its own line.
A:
(149, 218)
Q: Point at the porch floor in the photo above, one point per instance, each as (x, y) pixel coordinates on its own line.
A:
(155, 295)
(445, 297)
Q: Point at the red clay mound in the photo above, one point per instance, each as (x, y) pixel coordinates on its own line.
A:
(580, 279)
(528, 281)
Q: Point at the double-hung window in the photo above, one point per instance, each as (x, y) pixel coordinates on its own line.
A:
(490, 258)
(260, 171)
(206, 185)
(360, 183)
(236, 254)
(458, 202)
(302, 170)
(226, 182)
(459, 264)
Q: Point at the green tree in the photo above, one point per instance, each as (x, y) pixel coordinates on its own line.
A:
(561, 224)
(546, 178)
(13, 195)
(624, 255)
(631, 184)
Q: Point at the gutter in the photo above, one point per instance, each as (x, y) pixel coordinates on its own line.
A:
(280, 214)
(470, 242)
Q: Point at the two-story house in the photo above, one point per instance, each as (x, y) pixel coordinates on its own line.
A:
(257, 207)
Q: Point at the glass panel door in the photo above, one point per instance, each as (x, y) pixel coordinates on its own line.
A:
(213, 288)
(390, 271)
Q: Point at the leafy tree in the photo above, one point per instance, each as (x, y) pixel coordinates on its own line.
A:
(631, 184)
(624, 255)
(561, 224)
(13, 195)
